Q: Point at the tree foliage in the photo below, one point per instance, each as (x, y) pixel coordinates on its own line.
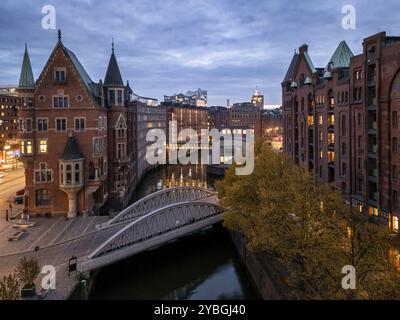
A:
(27, 271)
(284, 213)
(9, 288)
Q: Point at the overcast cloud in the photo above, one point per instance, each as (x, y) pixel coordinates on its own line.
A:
(171, 46)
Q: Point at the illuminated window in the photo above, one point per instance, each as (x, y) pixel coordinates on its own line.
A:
(320, 120)
(373, 212)
(331, 138)
(331, 120)
(43, 146)
(395, 224)
(26, 147)
(310, 120)
(331, 156)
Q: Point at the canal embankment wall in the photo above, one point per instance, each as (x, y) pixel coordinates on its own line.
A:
(265, 273)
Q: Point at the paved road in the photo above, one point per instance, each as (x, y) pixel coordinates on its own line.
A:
(10, 182)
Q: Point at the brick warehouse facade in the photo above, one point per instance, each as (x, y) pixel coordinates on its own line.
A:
(341, 122)
(77, 136)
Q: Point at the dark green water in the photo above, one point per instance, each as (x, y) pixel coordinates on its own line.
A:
(203, 265)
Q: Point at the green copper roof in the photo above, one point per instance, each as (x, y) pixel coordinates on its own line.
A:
(26, 77)
(309, 62)
(341, 57)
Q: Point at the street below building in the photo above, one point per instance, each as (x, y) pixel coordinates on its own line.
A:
(11, 181)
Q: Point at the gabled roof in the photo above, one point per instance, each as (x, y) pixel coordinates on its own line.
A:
(113, 75)
(341, 57)
(290, 71)
(71, 150)
(26, 79)
(92, 86)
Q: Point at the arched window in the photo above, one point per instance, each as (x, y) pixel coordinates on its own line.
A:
(359, 120)
(43, 198)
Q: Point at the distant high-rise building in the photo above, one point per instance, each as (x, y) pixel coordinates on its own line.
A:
(9, 90)
(258, 100)
(196, 98)
(244, 116)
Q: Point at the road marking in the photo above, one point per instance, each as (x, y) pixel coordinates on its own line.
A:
(45, 233)
(89, 225)
(69, 223)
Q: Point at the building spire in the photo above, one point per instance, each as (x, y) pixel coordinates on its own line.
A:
(26, 79)
(112, 45)
(113, 75)
(59, 34)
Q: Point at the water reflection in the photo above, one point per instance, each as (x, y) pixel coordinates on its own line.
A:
(174, 176)
(200, 266)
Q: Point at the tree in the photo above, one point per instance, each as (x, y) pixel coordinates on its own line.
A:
(369, 248)
(284, 213)
(27, 271)
(9, 288)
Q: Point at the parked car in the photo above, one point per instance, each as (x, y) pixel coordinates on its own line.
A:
(17, 235)
(18, 199)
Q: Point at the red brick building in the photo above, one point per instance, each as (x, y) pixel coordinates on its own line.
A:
(77, 136)
(341, 122)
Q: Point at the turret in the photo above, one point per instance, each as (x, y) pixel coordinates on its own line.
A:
(115, 88)
(26, 86)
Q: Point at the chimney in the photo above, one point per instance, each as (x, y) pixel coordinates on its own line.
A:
(303, 48)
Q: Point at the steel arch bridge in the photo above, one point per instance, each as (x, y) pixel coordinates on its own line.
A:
(160, 199)
(154, 229)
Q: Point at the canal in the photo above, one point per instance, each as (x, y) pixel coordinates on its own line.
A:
(203, 265)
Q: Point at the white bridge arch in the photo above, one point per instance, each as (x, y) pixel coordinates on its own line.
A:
(160, 199)
(153, 229)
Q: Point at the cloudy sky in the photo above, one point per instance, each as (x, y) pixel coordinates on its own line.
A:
(171, 46)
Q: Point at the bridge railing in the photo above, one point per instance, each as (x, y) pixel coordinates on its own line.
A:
(160, 199)
(156, 223)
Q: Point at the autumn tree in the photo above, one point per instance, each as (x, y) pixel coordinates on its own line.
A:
(284, 213)
(9, 288)
(27, 271)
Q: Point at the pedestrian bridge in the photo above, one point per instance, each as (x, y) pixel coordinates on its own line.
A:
(160, 199)
(153, 221)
